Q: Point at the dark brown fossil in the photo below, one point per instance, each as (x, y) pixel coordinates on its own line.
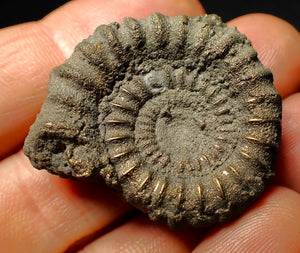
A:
(177, 114)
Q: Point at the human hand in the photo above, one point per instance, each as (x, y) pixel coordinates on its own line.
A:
(40, 212)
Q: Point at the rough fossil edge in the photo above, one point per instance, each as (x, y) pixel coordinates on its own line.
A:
(68, 137)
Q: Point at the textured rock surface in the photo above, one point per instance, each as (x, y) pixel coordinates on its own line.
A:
(176, 114)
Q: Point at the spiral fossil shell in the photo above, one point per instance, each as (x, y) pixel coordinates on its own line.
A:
(175, 113)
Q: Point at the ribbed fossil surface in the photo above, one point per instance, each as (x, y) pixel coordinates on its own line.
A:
(177, 114)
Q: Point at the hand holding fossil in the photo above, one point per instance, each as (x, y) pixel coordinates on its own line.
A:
(176, 114)
(42, 204)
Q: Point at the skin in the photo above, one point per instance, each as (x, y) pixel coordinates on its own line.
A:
(44, 213)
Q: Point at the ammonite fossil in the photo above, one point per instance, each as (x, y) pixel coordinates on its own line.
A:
(177, 114)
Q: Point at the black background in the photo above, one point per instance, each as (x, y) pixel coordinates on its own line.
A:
(14, 12)
(286, 9)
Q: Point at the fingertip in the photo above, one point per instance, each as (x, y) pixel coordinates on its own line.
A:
(52, 212)
(143, 235)
(288, 162)
(278, 45)
(271, 225)
(80, 18)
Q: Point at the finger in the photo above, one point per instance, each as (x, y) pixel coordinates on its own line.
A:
(141, 235)
(29, 51)
(24, 70)
(278, 46)
(272, 225)
(80, 21)
(44, 213)
(288, 162)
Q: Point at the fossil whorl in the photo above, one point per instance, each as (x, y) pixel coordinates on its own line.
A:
(175, 113)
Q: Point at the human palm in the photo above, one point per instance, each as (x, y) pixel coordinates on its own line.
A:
(40, 212)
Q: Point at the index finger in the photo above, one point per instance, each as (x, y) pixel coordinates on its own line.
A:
(278, 45)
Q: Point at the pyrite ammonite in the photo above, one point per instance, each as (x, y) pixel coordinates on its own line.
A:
(177, 114)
